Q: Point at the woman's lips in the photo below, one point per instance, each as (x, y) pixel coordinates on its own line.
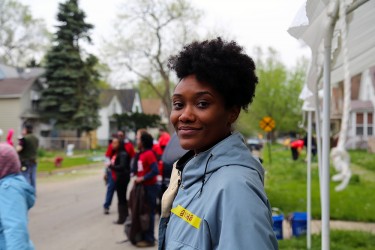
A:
(187, 131)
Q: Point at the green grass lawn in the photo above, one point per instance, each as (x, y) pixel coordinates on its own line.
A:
(285, 184)
(81, 157)
(340, 240)
(363, 159)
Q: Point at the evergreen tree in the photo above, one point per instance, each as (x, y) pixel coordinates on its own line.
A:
(71, 94)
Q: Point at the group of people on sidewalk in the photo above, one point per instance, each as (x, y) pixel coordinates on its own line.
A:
(145, 165)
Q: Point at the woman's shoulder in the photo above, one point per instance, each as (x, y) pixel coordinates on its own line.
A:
(10, 179)
(237, 175)
(13, 183)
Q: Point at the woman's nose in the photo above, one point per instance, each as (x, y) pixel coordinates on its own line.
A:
(187, 114)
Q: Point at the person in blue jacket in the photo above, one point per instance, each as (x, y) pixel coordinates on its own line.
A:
(17, 196)
(218, 201)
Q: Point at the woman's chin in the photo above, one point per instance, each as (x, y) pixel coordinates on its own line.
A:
(187, 144)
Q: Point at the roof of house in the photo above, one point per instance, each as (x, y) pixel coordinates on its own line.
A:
(14, 87)
(151, 106)
(32, 72)
(357, 105)
(125, 96)
(8, 71)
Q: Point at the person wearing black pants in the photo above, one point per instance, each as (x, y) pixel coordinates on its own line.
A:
(120, 167)
(147, 172)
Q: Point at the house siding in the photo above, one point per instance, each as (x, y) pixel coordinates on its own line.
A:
(105, 113)
(10, 109)
(102, 132)
(363, 87)
(137, 105)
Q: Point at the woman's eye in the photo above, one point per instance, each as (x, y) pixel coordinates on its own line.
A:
(177, 105)
(202, 104)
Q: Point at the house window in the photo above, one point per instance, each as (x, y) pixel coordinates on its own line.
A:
(359, 124)
(35, 100)
(370, 124)
(35, 105)
(365, 124)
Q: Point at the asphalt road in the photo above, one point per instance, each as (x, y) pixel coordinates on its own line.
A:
(68, 214)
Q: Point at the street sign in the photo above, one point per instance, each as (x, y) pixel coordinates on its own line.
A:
(267, 124)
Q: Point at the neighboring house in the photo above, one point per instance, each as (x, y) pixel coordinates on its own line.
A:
(115, 101)
(155, 107)
(19, 99)
(361, 118)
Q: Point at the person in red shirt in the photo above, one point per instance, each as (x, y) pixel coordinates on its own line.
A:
(127, 144)
(296, 147)
(147, 171)
(164, 138)
(120, 169)
(108, 174)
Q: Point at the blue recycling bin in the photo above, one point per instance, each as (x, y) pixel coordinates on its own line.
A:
(299, 223)
(278, 225)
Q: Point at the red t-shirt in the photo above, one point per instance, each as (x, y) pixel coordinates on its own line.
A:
(297, 144)
(112, 155)
(128, 148)
(145, 160)
(164, 139)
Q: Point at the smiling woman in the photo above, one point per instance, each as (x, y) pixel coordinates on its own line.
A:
(218, 201)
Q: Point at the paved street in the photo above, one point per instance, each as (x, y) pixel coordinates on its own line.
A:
(68, 214)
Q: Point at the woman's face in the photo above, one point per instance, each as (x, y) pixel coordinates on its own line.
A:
(139, 142)
(115, 143)
(199, 115)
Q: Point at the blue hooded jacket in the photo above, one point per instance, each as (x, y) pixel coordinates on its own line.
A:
(16, 198)
(221, 202)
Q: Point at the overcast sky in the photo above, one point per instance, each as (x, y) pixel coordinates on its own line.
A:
(261, 23)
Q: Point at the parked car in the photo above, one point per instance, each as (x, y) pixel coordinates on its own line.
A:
(254, 144)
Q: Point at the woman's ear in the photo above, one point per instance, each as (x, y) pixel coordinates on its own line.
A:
(234, 113)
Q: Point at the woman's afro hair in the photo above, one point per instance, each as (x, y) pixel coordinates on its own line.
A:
(221, 64)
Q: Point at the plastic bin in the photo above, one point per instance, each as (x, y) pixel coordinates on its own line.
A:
(278, 225)
(299, 223)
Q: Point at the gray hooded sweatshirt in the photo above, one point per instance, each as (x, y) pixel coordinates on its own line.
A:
(221, 202)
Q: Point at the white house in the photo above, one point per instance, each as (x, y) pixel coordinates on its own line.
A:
(19, 99)
(113, 101)
(361, 125)
(362, 111)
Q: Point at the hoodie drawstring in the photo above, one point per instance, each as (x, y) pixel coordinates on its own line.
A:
(204, 175)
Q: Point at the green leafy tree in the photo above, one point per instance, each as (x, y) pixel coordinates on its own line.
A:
(135, 121)
(22, 37)
(146, 91)
(71, 95)
(276, 94)
(148, 32)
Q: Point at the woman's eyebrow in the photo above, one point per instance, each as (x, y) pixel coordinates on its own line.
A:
(198, 94)
(204, 93)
